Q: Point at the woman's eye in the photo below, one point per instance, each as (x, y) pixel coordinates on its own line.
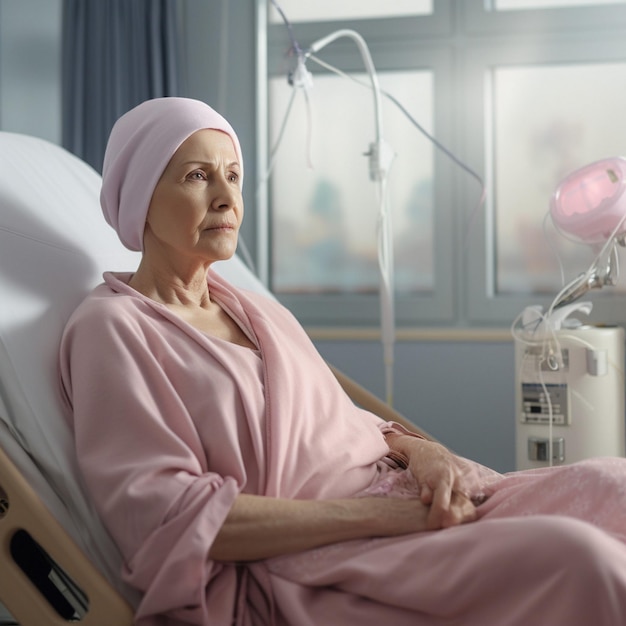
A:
(198, 175)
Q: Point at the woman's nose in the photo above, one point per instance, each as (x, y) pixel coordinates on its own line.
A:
(225, 195)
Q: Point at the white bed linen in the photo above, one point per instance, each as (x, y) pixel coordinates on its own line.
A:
(54, 246)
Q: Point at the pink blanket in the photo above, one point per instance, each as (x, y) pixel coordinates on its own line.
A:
(170, 425)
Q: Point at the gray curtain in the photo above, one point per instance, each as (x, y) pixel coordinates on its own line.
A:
(116, 54)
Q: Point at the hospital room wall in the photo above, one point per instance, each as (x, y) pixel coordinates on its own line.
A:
(460, 391)
(30, 64)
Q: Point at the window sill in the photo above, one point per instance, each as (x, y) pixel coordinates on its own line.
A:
(478, 335)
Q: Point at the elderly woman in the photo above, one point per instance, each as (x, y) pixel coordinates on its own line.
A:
(243, 486)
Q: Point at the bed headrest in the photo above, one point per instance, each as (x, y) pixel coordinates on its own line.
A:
(54, 246)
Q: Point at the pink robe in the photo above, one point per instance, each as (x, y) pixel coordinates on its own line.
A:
(171, 425)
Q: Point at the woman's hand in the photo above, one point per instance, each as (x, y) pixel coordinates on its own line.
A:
(260, 527)
(440, 479)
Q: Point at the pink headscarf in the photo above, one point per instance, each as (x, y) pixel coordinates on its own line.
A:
(140, 146)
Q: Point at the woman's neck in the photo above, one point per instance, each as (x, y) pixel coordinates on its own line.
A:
(188, 296)
(173, 286)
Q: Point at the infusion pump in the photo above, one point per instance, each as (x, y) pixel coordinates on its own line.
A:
(577, 386)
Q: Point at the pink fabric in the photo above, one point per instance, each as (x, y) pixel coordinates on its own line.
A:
(171, 425)
(140, 146)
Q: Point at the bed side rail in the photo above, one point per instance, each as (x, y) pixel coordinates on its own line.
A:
(367, 400)
(46, 578)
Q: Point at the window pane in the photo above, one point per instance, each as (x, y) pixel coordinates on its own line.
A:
(514, 5)
(548, 121)
(328, 10)
(324, 206)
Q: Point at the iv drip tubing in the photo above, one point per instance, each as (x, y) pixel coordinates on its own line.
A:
(294, 41)
(420, 128)
(385, 261)
(586, 276)
(403, 109)
(378, 172)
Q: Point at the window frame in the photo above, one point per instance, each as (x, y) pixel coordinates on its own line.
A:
(531, 22)
(460, 43)
(435, 306)
(484, 306)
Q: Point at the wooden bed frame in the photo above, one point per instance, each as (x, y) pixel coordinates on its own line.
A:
(46, 580)
(41, 564)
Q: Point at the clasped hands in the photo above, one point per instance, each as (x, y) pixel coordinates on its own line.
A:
(440, 477)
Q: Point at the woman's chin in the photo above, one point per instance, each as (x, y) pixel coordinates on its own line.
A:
(222, 253)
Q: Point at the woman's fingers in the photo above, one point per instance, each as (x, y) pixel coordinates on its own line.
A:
(441, 485)
(426, 494)
(449, 508)
(440, 505)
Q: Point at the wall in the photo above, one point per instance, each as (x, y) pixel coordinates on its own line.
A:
(461, 392)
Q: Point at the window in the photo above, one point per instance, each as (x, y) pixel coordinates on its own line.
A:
(324, 238)
(324, 10)
(520, 93)
(548, 120)
(515, 5)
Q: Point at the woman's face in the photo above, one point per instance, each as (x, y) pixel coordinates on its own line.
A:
(197, 205)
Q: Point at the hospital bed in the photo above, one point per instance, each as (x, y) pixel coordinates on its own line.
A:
(57, 562)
